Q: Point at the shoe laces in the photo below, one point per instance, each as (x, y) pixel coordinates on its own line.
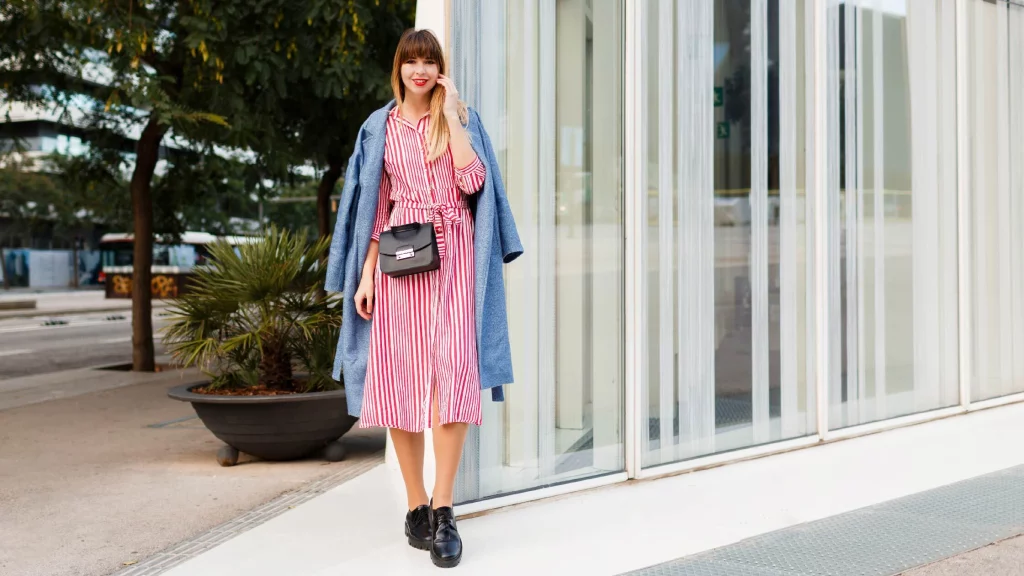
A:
(444, 516)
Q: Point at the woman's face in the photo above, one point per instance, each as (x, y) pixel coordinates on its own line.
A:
(419, 75)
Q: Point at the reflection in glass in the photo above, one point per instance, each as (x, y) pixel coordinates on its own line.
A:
(896, 347)
(559, 137)
(726, 263)
(994, 90)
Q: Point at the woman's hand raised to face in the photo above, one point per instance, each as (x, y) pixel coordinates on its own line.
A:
(451, 97)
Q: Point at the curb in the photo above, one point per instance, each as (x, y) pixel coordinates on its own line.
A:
(69, 311)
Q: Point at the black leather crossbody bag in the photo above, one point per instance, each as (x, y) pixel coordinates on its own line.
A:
(408, 249)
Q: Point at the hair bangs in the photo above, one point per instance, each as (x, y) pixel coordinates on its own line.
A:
(419, 44)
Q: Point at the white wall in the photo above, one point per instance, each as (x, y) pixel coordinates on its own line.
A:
(430, 14)
(49, 268)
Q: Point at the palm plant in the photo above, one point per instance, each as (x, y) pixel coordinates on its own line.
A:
(255, 314)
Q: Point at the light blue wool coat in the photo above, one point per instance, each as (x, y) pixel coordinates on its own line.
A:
(496, 242)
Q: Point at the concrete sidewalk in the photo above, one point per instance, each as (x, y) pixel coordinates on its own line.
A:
(100, 470)
(633, 525)
(59, 303)
(27, 390)
(1005, 558)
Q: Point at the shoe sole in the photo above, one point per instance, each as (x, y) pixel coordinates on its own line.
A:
(441, 563)
(416, 542)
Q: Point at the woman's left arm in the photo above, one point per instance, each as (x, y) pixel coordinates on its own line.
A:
(469, 177)
(462, 151)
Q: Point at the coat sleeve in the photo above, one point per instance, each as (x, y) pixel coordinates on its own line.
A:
(340, 240)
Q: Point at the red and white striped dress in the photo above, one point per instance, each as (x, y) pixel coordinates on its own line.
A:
(423, 329)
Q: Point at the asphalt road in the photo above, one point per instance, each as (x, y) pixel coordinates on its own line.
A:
(27, 347)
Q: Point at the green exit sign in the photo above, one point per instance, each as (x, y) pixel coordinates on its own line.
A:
(722, 130)
(719, 96)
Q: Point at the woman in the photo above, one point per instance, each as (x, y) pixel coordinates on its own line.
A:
(417, 350)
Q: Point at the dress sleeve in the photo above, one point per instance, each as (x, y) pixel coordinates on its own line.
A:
(471, 178)
(383, 207)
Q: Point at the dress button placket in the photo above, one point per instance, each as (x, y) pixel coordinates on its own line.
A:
(428, 408)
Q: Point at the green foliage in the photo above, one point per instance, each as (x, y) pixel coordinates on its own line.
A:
(25, 198)
(62, 205)
(329, 98)
(77, 193)
(251, 316)
(289, 206)
(289, 81)
(92, 191)
(205, 190)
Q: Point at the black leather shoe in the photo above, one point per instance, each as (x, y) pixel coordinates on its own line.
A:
(446, 544)
(417, 527)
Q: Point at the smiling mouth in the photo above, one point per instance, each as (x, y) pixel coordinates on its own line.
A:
(420, 82)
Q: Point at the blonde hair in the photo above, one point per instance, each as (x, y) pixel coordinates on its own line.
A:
(423, 44)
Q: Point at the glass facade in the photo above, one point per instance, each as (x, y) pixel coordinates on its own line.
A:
(995, 190)
(562, 167)
(819, 218)
(725, 228)
(895, 232)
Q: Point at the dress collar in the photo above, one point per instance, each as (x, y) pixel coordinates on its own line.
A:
(396, 113)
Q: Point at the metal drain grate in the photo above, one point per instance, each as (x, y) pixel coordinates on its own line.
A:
(880, 540)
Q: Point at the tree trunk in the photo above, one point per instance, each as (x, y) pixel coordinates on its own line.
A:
(323, 196)
(147, 154)
(275, 364)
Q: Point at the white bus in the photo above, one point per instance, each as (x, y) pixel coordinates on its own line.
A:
(172, 261)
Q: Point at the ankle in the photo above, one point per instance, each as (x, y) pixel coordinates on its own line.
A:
(441, 501)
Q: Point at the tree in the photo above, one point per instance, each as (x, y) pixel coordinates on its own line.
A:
(318, 119)
(209, 193)
(289, 206)
(206, 72)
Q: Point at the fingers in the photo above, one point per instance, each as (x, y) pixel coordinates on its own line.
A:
(369, 304)
(361, 306)
(449, 86)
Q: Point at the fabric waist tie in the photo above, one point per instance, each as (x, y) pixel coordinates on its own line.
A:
(448, 212)
(440, 215)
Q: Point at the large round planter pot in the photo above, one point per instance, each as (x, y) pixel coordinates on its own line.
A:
(284, 427)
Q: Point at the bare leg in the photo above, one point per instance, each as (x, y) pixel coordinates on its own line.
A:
(448, 442)
(409, 448)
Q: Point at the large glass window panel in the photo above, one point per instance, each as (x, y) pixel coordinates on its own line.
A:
(726, 240)
(895, 351)
(559, 138)
(994, 90)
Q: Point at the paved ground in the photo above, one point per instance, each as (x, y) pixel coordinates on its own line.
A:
(50, 302)
(1004, 558)
(687, 515)
(891, 537)
(100, 478)
(30, 347)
